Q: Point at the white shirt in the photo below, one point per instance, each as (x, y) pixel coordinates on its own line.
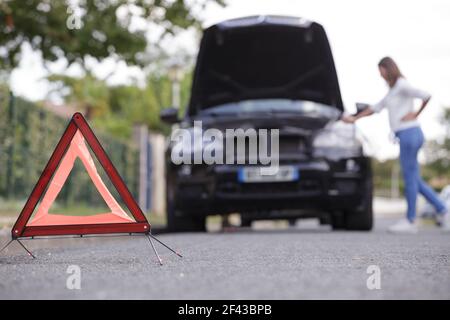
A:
(399, 101)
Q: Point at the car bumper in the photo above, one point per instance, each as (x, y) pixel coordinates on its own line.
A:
(323, 185)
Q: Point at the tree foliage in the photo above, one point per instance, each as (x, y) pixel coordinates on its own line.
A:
(115, 109)
(104, 32)
(88, 93)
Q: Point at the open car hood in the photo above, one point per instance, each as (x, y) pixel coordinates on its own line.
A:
(264, 57)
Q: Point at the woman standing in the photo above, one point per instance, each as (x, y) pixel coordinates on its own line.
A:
(404, 123)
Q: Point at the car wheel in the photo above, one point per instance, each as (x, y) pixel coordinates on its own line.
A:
(362, 218)
(337, 221)
(246, 223)
(179, 221)
(325, 220)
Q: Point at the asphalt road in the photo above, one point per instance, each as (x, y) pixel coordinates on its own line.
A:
(305, 262)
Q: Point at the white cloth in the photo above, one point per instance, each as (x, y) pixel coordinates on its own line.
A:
(399, 101)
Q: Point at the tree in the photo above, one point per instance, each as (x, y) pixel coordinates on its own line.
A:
(88, 93)
(116, 108)
(104, 30)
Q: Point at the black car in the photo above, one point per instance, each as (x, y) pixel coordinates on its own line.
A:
(271, 72)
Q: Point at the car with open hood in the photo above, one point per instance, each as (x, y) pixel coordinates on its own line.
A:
(272, 73)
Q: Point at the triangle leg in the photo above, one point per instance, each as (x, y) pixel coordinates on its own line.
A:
(165, 245)
(7, 245)
(25, 248)
(154, 249)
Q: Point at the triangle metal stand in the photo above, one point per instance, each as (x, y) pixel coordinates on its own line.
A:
(149, 236)
(21, 244)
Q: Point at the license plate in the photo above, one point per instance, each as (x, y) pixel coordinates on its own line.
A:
(253, 174)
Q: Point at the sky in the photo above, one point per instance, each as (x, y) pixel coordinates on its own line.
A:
(414, 33)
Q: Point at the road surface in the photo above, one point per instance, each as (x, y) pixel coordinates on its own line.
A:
(304, 262)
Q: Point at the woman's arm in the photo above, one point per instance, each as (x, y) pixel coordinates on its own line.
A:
(413, 115)
(413, 92)
(368, 111)
(351, 119)
(424, 104)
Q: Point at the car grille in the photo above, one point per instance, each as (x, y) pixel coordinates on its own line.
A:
(309, 186)
(288, 145)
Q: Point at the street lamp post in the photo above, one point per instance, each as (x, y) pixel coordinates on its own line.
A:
(175, 76)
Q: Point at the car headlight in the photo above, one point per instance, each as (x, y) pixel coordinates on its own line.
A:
(337, 140)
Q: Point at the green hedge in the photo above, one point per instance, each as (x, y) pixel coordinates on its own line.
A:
(28, 136)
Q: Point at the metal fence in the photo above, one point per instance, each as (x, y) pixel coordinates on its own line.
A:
(28, 136)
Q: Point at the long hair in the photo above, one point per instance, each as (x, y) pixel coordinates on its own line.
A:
(392, 70)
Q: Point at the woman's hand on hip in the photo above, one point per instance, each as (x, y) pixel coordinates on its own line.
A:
(410, 116)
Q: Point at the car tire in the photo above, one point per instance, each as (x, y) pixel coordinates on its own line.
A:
(337, 221)
(362, 218)
(246, 223)
(179, 221)
(325, 220)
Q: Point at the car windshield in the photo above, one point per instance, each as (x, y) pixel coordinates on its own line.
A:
(300, 107)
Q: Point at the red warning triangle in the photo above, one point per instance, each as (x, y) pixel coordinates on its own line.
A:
(72, 146)
(77, 149)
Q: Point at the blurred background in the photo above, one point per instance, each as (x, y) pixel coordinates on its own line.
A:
(121, 62)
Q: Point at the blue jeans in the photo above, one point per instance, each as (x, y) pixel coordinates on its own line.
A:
(411, 140)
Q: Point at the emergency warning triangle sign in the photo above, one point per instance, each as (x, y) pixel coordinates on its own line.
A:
(72, 146)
